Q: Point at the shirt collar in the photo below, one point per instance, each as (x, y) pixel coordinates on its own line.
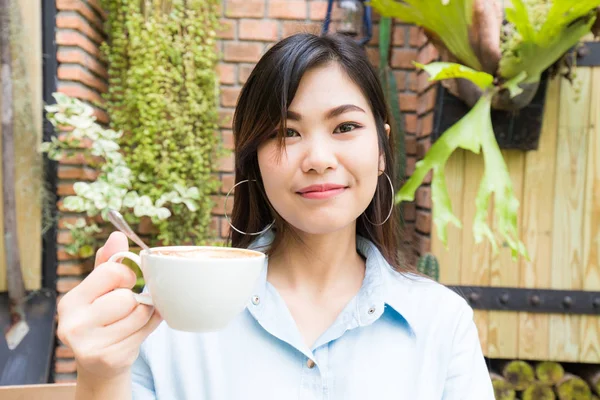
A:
(382, 284)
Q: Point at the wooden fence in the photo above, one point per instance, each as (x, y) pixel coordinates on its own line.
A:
(558, 187)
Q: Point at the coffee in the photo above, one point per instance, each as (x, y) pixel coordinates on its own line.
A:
(207, 253)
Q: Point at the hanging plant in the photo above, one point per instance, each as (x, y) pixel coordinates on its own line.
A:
(495, 57)
(163, 94)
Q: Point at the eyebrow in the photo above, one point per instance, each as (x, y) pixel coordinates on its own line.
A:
(334, 112)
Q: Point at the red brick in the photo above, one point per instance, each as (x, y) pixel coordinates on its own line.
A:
(79, 158)
(65, 189)
(427, 179)
(244, 72)
(425, 125)
(242, 52)
(98, 8)
(291, 28)
(290, 9)
(80, 7)
(423, 197)
(64, 220)
(413, 84)
(374, 36)
(69, 20)
(373, 56)
(424, 244)
(403, 58)
(64, 237)
(74, 38)
(410, 165)
(65, 366)
(414, 36)
(215, 223)
(225, 228)
(410, 143)
(408, 101)
(426, 102)
(409, 211)
(400, 80)
(64, 352)
(80, 91)
(427, 54)
(77, 73)
(229, 96)
(64, 285)
(79, 173)
(226, 73)
(225, 118)
(399, 35)
(226, 29)
(78, 56)
(146, 227)
(423, 146)
(410, 123)
(317, 10)
(423, 82)
(226, 163)
(65, 269)
(227, 183)
(245, 9)
(227, 139)
(219, 207)
(101, 115)
(252, 29)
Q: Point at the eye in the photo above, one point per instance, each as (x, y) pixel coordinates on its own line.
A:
(346, 127)
(291, 133)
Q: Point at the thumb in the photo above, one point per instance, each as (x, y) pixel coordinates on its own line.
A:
(116, 242)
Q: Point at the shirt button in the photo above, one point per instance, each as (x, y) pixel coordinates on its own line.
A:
(310, 364)
(255, 300)
(371, 310)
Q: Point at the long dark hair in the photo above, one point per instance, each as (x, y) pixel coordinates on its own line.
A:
(262, 107)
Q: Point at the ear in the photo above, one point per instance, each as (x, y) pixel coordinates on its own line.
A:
(381, 157)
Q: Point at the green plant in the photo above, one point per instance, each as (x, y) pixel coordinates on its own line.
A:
(501, 68)
(112, 189)
(429, 265)
(163, 94)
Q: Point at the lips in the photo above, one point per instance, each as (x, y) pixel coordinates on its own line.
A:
(321, 191)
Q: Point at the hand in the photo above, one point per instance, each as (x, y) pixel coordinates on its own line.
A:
(101, 321)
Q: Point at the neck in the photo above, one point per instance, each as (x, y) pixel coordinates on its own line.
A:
(317, 264)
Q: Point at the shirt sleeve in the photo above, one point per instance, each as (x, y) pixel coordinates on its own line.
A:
(467, 376)
(142, 382)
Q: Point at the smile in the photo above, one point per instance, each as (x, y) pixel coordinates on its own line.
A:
(324, 191)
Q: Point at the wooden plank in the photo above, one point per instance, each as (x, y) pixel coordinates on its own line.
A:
(28, 169)
(450, 258)
(567, 235)
(590, 325)
(503, 331)
(475, 268)
(537, 225)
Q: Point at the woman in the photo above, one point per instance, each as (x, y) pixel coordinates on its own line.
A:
(335, 314)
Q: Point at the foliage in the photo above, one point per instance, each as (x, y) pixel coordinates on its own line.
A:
(112, 189)
(429, 265)
(163, 95)
(537, 35)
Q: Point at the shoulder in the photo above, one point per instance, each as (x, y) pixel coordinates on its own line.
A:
(428, 306)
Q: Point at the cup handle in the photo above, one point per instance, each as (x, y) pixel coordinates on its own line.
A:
(142, 298)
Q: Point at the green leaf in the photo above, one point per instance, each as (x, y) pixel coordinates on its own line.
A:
(86, 251)
(74, 203)
(439, 71)
(449, 20)
(534, 50)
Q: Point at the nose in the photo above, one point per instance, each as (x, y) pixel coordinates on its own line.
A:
(319, 155)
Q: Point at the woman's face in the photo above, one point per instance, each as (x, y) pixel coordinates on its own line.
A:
(326, 175)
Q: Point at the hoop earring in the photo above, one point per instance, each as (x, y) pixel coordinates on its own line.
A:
(391, 209)
(229, 221)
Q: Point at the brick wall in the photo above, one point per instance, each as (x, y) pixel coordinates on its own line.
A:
(247, 29)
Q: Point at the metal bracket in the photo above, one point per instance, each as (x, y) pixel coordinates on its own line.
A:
(589, 55)
(531, 300)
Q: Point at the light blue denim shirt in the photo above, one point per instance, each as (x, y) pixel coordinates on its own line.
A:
(402, 337)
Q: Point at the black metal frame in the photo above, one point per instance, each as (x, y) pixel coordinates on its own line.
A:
(50, 65)
(549, 301)
(589, 55)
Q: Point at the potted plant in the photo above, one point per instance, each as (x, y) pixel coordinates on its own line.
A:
(494, 58)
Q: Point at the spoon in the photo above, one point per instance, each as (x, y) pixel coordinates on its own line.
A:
(119, 222)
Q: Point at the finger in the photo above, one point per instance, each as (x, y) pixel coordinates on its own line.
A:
(134, 341)
(113, 307)
(129, 325)
(106, 278)
(116, 242)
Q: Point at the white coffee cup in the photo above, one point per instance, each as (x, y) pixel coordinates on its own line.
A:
(197, 288)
